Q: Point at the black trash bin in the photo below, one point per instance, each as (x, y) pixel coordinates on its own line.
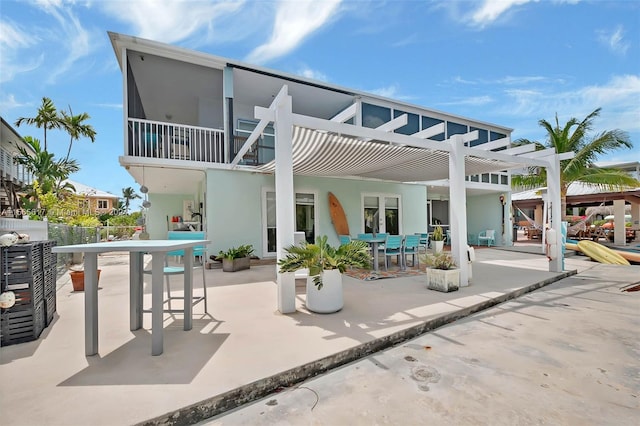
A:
(515, 233)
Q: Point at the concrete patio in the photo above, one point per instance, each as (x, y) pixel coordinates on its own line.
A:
(241, 351)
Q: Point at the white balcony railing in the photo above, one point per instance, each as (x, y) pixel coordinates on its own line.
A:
(11, 171)
(156, 139)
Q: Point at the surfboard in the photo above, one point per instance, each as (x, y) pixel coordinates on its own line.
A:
(600, 253)
(338, 217)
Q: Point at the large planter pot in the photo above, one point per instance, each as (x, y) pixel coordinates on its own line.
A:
(233, 265)
(443, 280)
(438, 246)
(329, 298)
(77, 279)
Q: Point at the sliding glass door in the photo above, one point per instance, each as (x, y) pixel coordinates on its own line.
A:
(305, 218)
(381, 213)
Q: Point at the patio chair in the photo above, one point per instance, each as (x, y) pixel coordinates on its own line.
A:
(411, 246)
(168, 271)
(344, 239)
(199, 256)
(393, 247)
(488, 236)
(424, 240)
(365, 236)
(447, 238)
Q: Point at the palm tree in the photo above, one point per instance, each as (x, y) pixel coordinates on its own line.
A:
(572, 137)
(129, 194)
(48, 172)
(47, 118)
(76, 127)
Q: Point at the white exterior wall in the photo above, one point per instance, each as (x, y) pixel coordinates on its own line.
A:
(234, 206)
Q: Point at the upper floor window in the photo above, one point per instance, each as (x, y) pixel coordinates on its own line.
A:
(103, 204)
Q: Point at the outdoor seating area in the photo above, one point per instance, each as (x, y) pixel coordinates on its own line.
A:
(218, 355)
(393, 248)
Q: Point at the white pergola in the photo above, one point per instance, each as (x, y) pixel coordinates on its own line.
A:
(316, 147)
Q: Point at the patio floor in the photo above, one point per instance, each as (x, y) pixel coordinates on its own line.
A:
(238, 351)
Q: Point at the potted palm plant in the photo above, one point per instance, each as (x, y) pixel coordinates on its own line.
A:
(236, 259)
(326, 264)
(442, 272)
(438, 239)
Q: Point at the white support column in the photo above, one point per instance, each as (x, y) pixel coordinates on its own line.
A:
(618, 223)
(285, 198)
(553, 193)
(507, 237)
(458, 207)
(635, 217)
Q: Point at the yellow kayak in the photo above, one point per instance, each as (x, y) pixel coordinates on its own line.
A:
(600, 253)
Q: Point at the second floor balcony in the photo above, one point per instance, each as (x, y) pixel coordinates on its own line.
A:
(171, 141)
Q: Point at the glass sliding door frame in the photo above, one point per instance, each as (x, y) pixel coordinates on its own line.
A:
(302, 213)
(373, 221)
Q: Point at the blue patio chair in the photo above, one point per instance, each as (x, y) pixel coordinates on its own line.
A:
(488, 236)
(411, 247)
(344, 239)
(424, 240)
(198, 254)
(393, 247)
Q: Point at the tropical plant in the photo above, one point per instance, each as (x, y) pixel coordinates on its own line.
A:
(573, 137)
(48, 172)
(441, 260)
(237, 253)
(47, 118)
(76, 127)
(129, 194)
(321, 257)
(438, 234)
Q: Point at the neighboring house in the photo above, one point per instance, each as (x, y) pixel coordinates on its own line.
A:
(93, 201)
(581, 196)
(188, 116)
(14, 177)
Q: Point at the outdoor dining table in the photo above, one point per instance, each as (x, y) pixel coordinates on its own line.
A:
(137, 249)
(373, 242)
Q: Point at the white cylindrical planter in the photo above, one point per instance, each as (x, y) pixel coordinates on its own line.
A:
(329, 298)
(438, 246)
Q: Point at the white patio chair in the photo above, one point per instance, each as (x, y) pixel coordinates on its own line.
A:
(488, 236)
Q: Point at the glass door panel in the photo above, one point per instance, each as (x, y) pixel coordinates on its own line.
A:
(305, 219)
(391, 216)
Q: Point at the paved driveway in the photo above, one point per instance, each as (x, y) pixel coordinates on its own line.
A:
(568, 354)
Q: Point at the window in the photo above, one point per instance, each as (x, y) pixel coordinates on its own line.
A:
(428, 122)
(305, 218)
(263, 149)
(103, 204)
(413, 123)
(483, 136)
(374, 116)
(83, 203)
(455, 128)
(372, 205)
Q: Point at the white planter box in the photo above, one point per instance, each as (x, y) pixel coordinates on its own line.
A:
(329, 298)
(443, 280)
(438, 246)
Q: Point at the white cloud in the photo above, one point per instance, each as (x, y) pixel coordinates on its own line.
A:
(614, 40)
(618, 98)
(387, 92)
(491, 10)
(294, 21)
(8, 103)
(314, 74)
(171, 21)
(473, 101)
(13, 39)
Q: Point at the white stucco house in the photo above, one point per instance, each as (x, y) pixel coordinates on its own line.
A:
(235, 143)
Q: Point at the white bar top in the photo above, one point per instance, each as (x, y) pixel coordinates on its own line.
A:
(130, 246)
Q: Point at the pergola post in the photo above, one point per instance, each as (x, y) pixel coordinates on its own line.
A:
(285, 197)
(553, 192)
(619, 235)
(458, 207)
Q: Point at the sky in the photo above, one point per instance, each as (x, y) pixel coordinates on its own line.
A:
(507, 62)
